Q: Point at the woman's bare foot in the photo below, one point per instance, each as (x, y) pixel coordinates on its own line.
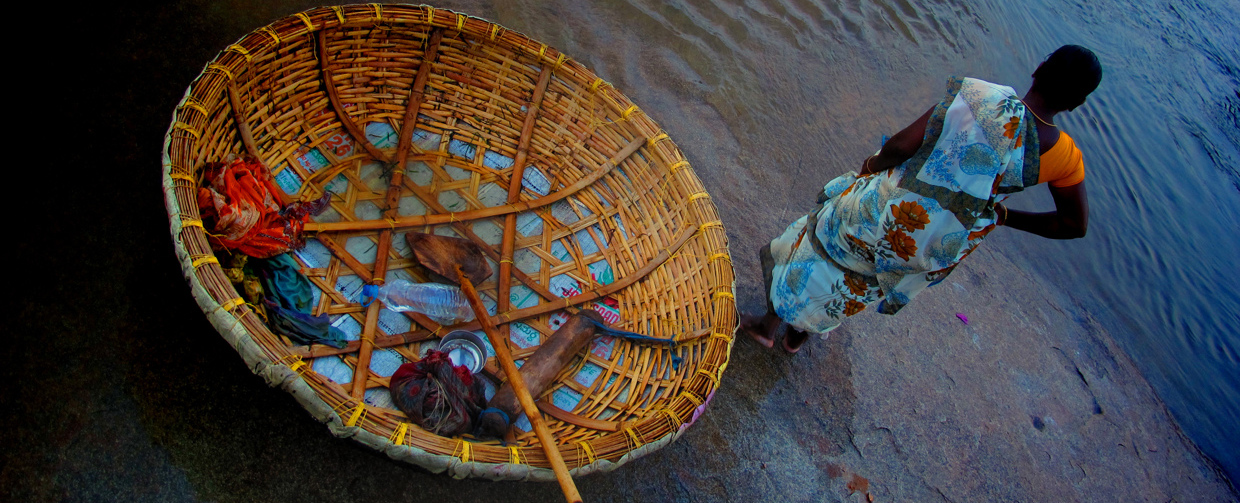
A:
(761, 328)
(793, 340)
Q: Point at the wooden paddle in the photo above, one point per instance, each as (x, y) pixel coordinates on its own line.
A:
(458, 259)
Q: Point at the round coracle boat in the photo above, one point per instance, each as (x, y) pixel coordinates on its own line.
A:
(361, 126)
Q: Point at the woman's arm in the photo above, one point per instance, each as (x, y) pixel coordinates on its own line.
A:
(899, 148)
(1070, 219)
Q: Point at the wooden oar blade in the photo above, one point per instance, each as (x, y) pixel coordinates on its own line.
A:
(441, 254)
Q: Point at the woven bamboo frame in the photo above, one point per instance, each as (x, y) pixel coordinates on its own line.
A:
(472, 83)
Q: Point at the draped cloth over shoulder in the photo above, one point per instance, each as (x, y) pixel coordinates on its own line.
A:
(892, 234)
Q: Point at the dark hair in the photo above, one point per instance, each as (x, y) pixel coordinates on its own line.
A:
(1067, 76)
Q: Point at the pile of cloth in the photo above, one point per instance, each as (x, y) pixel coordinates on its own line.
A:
(238, 204)
(443, 398)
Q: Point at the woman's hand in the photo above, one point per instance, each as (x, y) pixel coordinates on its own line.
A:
(866, 170)
(899, 148)
(1070, 220)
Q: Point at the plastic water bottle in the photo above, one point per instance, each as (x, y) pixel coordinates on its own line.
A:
(442, 303)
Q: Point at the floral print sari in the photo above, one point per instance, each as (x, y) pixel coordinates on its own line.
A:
(890, 235)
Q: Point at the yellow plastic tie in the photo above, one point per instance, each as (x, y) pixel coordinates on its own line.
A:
(221, 68)
(699, 195)
(585, 447)
(542, 51)
(713, 223)
(718, 335)
(183, 176)
(272, 32)
(192, 223)
(232, 304)
(724, 294)
(339, 13)
(398, 435)
(205, 259)
(720, 255)
(514, 455)
(240, 50)
(628, 111)
(465, 451)
(399, 171)
(186, 127)
(430, 15)
(460, 22)
(597, 82)
(254, 309)
(680, 165)
(357, 415)
(637, 441)
(191, 104)
(306, 19)
(560, 60)
(378, 11)
(660, 136)
(505, 261)
(298, 366)
(676, 422)
(697, 402)
(709, 375)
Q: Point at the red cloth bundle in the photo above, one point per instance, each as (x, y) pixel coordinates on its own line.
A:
(239, 206)
(442, 398)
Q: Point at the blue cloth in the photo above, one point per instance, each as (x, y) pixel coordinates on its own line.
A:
(290, 301)
(634, 336)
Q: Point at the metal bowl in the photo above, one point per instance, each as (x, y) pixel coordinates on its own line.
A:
(466, 349)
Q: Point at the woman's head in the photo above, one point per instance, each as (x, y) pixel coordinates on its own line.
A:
(1067, 76)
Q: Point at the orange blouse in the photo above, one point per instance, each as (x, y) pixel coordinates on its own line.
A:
(1062, 165)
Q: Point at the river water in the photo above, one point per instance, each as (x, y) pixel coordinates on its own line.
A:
(772, 98)
(1163, 143)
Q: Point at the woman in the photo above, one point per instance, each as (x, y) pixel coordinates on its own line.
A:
(928, 198)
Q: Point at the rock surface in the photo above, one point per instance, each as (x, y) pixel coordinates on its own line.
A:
(117, 389)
